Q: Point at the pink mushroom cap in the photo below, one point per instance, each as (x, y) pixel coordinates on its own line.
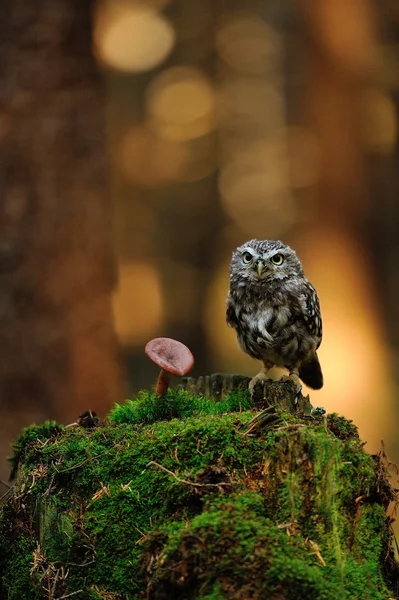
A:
(170, 355)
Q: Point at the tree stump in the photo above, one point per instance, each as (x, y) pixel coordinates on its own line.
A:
(268, 392)
(205, 493)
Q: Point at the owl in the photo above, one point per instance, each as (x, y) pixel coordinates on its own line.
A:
(275, 311)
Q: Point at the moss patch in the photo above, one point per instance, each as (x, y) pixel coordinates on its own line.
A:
(187, 498)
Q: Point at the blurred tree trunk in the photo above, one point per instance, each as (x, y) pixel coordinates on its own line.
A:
(56, 263)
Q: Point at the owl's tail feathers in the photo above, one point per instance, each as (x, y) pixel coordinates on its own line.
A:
(310, 373)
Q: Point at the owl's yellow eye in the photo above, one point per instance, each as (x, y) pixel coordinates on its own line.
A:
(247, 257)
(277, 259)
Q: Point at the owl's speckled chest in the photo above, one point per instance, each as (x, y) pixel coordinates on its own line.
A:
(270, 324)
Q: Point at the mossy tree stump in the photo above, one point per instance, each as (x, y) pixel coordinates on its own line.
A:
(189, 496)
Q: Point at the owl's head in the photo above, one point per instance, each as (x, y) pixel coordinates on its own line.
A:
(263, 260)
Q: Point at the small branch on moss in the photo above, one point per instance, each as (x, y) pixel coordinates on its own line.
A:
(291, 529)
(266, 417)
(5, 494)
(316, 551)
(394, 538)
(9, 490)
(69, 595)
(384, 455)
(287, 427)
(46, 493)
(185, 481)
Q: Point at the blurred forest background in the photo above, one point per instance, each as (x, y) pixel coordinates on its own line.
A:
(142, 141)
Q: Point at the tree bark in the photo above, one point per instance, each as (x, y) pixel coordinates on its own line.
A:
(56, 260)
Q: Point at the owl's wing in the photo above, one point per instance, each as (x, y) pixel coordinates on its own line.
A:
(231, 316)
(311, 311)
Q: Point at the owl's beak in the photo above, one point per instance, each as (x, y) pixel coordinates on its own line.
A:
(259, 267)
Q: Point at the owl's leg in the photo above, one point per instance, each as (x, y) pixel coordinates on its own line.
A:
(261, 376)
(294, 376)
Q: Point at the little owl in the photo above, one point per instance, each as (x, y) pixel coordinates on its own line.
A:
(275, 311)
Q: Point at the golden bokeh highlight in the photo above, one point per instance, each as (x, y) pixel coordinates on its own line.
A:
(253, 188)
(132, 37)
(137, 303)
(256, 200)
(249, 106)
(346, 29)
(248, 44)
(378, 121)
(254, 170)
(181, 104)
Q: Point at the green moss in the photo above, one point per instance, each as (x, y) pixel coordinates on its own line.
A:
(341, 427)
(29, 437)
(16, 552)
(199, 506)
(149, 408)
(228, 546)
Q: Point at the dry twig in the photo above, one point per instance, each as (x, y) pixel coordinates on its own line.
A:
(185, 481)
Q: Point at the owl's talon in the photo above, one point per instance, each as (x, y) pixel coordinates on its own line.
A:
(295, 379)
(261, 376)
(298, 393)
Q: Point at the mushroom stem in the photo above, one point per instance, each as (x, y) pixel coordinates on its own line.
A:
(162, 383)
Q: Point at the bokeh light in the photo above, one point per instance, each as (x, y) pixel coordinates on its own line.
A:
(180, 104)
(249, 106)
(137, 303)
(253, 188)
(248, 44)
(346, 31)
(258, 200)
(132, 37)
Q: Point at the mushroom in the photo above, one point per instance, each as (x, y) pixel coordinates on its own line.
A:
(172, 356)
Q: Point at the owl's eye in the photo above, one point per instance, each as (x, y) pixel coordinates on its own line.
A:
(247, 257)
(277, 259)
